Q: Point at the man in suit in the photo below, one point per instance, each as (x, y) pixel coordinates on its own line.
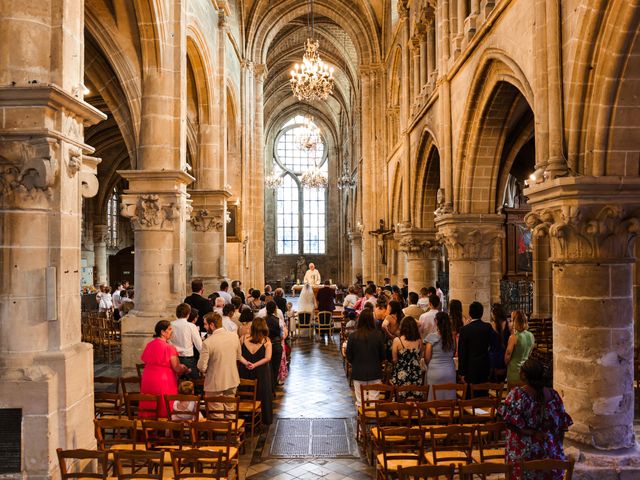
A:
(473, 347)
(200, 303)
(326, 298)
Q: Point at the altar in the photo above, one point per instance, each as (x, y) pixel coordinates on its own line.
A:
(296, 289)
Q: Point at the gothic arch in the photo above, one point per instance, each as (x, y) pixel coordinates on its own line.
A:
(199, 56)
(153, 36)
(499, 94)
(426, 181)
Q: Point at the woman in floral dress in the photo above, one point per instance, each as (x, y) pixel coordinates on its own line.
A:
(536, 422)
(406, 352)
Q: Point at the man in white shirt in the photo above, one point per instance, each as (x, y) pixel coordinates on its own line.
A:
(117, 301)
(185, 336)
(312, 277)
(427, 322)
(219, 305)
(224, 286)
(369, 296)
(227, 323)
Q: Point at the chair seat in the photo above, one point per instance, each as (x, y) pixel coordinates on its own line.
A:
(249, 406)
(479, 412)
(371, 413)
(457, 457)
(375, 433)
(233, 451)
(492, 452)
(393, 464)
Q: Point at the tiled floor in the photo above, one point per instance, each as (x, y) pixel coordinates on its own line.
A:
(316, 388)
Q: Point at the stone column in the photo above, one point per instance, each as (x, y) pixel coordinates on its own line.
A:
(496, 269)
(424, 60)
(470, 240)
(422, 251)
(415, 48)
(461, 15)
(356, 254)
(46, 371)
(592, 223)
(542, 278)
(100, 233)
(208, 221)
(471, 22)
(431, 53)
(369, 250)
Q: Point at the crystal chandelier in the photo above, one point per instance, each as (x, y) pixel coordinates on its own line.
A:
(309, 138)
(273, 181)
(314, 178)
(313, 79)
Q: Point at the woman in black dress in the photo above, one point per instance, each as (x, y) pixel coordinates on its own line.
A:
(275, 335)
(256, 349)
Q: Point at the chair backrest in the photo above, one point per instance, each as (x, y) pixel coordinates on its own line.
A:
(130, 384)
(325, 318)
(438, 390)
(191, 414)
(163, 434)
(491, 441)
(115, 431)
(222, 408)
(468, 472)
(106, 384)
(207, 463)
(217, 433)
(142, 405)
(401, 443)
(247, 390)
(78, 457)
(426, 471)
(139, 369)
(437, 412)
(493, 390)
(139, 464)
(400, 414)
(448, 441)
(549, 466)
(108, 403)
(304, 320)
(412, 392)
(375, 393)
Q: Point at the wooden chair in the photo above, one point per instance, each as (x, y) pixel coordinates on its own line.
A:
(491, 443)
(548, 466)
(492, 390)
(117, 434)
(139, 465)
(439, 390)
(437, 412)
(391, 414)
(304, 322)
(142, 405)
(369, 396)
(130, 384)
(426, 471)
(414, 393)
(200, 464)
(399, 447)
(108, 405)
(182, 415)
(81, 459)
(218, 436)
(165, 436)
(324, 323)
(106, 384)
(477, 410)
(250, 407)
(226, 408)
(481, 470)
(139, 369)
(450, 444)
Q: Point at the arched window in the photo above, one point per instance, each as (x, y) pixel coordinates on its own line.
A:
(112, 219)
(300, 212)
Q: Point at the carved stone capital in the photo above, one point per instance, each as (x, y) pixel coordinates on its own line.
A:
(417, 243)
(586, 219)
(89, 176)
(469, 237)
(100, 234)
(403, 9)
(204, 220)
(354, 236)
(150, 211)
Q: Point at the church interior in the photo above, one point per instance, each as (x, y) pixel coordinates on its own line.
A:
(491, 146)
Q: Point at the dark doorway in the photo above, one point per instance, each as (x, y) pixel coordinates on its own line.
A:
(121, 265)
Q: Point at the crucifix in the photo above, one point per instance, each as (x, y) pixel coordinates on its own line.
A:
(381, 235)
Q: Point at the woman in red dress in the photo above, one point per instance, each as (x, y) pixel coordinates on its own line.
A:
(161, 367)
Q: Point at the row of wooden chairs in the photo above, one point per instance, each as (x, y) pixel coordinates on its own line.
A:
(482, 470)
(186, 464)
(104, 333)
(134, 405)
(324, 323)
(220, 435)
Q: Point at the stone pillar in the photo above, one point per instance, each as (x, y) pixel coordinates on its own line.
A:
(542, 278)
(470, 240)
(431, 53)
(208, 221)
(471, 22)
(424, 60)
(592, 223)
(422, 251)
(100, 233)
(461, 15)
(415, 47)
(496, 269)
(356, 254)
(369, 250)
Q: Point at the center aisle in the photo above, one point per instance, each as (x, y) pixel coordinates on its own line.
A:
(316, 388)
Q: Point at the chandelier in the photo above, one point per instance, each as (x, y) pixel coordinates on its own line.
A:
(313, 79)
(273, 181)
(309, 138)
(314, 179)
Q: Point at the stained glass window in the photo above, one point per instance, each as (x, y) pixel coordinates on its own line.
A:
(112, 219)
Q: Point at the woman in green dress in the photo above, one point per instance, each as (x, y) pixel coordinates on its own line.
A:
(519, 346)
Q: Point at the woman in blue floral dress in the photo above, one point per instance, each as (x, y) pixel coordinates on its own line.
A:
(406, 352)
(536, 422)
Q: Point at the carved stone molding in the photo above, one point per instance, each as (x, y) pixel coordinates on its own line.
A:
(403, 9)
(587, 232)
(205, 221)
(469, 237)
(417, 243)
(150, 211)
